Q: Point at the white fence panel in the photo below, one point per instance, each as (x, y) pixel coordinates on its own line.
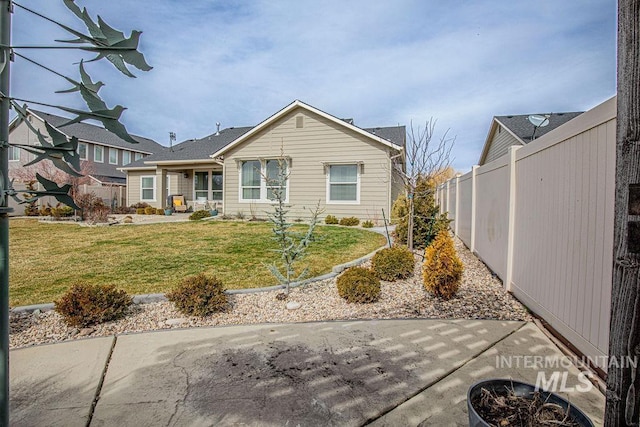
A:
(492, 214)
(557, 193)
(563, 246)
(465, 198)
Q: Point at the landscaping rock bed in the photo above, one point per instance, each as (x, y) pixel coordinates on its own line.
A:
(481, 296)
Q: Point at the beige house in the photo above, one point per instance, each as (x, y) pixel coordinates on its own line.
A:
(506, 131)
(347, 169)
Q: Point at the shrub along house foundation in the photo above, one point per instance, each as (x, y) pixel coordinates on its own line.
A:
(347, 169)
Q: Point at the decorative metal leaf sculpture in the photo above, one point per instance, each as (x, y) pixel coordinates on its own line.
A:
(62, 153)
(86, 83)
(100, 112)
(108, 42)
(52, 189)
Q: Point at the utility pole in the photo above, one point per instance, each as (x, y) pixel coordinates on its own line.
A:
(623, 376)
(5, 42)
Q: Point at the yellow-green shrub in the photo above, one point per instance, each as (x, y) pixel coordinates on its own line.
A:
(199, 295)
(330, 219)
(393, 263)
(367, 224)
(140, 211)
(84, 305)
(150, 210)
(349, 221)
(159, 211)
(358, 284)
(442, 268)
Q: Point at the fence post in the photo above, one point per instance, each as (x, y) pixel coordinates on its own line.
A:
(472, 244)
(511, 218)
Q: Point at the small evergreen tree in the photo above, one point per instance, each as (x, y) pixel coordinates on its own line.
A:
(427, 221)
(291, 245)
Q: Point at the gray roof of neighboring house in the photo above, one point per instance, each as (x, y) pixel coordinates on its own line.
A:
(201, 149)
(92, 133)
(523, 128)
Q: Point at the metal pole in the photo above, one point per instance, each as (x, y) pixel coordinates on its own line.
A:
(5, 40)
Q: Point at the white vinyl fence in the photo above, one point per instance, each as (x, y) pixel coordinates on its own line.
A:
(541, 218)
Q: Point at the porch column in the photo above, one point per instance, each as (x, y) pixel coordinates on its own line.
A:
(161, 188)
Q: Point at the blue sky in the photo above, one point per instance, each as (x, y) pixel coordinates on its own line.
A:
(381, 63)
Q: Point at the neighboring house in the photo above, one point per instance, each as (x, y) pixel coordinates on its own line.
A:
(506, 131)
(102, 153)
(347, 169)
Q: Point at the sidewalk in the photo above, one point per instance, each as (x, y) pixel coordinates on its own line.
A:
(379, 372)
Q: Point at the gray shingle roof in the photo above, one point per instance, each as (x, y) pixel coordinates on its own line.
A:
(93, 133)
(395, 134)
(201, 149)
(523, 128)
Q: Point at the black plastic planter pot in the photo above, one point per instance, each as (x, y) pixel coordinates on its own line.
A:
(520, 389)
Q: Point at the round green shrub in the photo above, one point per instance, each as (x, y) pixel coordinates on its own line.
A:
(84, 305)
(149, 210)
(358, 284)
(393, 263)
(140, 211)
(159, 211)
(349, 221)
(367, 224)
(199, 295)
(330, 219)
(199, 215)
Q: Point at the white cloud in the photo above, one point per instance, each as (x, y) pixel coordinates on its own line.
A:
(382, 63)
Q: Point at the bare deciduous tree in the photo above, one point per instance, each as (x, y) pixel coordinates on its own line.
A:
(425, 157)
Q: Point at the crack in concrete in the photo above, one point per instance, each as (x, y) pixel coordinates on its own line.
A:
(443, 376)
(101, 382)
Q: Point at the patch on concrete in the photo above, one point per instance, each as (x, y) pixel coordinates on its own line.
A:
(296, 385)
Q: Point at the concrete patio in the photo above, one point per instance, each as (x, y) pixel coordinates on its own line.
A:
(378, 372)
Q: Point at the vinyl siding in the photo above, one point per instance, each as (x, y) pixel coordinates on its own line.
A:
(318, 141)
(500, 144)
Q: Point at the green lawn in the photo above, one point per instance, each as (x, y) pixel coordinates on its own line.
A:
(47, 258)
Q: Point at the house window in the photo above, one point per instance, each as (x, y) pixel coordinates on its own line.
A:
(83, 151)
(113, 156)
(138, 156)
(14, 154)
(98, 154)
(274, 179)
(251, 180)
(148, 188)
(255, 187)
(216, 185)
(343, 184)
(126, 157)
(201, 185)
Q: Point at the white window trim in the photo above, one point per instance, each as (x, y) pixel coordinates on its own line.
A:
(94, 154)
(124, 153)
(328, 173)
(110, 151)
(86, 151)
(154, 188)
(13, 149)
(137, 156)
(263, 183)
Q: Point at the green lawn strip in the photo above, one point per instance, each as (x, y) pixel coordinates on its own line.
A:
(47, 258)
